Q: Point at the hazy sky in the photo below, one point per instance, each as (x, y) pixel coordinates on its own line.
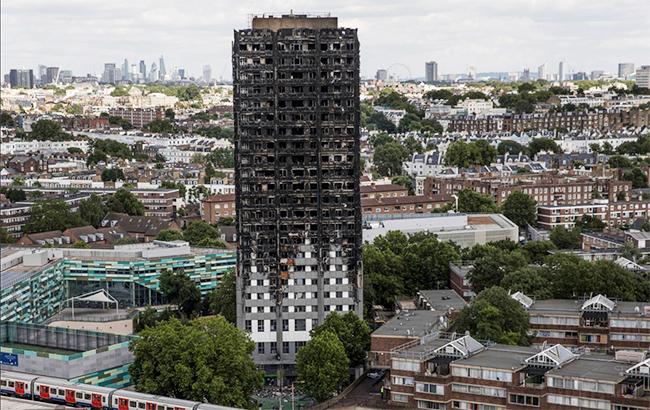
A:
(491, 35)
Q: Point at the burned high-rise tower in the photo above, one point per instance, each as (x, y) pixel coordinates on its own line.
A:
(296, 106)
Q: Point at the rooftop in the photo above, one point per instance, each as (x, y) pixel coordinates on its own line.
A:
(414, 323)
(594, 367)
(499, 357)
(442, 300)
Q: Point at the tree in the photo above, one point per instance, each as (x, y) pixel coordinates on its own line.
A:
(93, 210)
(472, 201)
(6, 120)
(537, 251)
(75, 150)
(638, 178)
(489, 269)
(169, 114)
(180, 290)
(124, 201)
(494, 315)
(388, 158)
(461, 154)
(619, 161)
(222, 300)
(95, 157)
(509, 147)
(412, 145)
(380, 139)
(13, 194)
(486, 152)
(565, 238)
(591, 223)
(520, 208)
(222, 157)
(352, 331)
(48, 130)
(205, 360)
(169, 235)
(198, 232)
(322, 365)
(51, 215)
(405, 181)
(543, 144)
(160, 125)
(112, 174)
(5, 237)
(528, 280)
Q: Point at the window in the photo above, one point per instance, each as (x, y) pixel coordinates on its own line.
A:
(274, 347)
(429, 388)
(285, 347)
(260, 348)
(260, 325)
(274, 325)
(285, 325)
(402, 398)
(79, 395)
(248, 326)
(140, 405)
(132, 404)
(425, 404)
(402, 381)
(524, 400)
(86, 396)
(301, 325)
(409, 365)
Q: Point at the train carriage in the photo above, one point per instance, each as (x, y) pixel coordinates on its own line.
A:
(130, 400)
(16, 384)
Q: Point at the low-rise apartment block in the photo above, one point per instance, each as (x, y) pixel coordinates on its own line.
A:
(218, 206)
(139, 117)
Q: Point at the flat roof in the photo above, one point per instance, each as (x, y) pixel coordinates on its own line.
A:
(499, 357)
(435, 223)
(443, 299)
(413, 323)
(598, 367)
(574, 306)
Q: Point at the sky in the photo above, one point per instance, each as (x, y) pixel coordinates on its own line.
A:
(489, 35)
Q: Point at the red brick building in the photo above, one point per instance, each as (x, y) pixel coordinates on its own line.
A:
(218, 206)
(410, 204)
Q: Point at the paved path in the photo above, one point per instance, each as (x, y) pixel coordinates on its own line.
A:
(364, 396)
(120, 327)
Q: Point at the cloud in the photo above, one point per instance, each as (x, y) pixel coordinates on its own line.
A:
(497, 35)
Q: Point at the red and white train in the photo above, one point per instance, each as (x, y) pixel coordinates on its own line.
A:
(61, 391)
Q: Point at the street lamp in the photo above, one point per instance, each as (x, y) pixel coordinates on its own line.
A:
(456, 199)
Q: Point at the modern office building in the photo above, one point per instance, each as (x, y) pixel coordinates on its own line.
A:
(643, 76)
(162, 72)
(560, 72)
(52, 75)
(126, 70)
(431, 71)
(541, 72)
(525, 75)
(381, 75)
(143, 71)
(19, 78)
(109, 73)
(297, 114)
(153, 72)
(625, 70)
(207, 73)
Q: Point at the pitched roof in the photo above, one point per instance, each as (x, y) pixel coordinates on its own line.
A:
(523, 299)
(599, 302)
(464, 346)
(146, 225)
(556, 356)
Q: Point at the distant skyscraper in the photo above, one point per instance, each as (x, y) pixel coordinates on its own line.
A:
(42, 74)
(52, 75)
(21, 78)
(541, 72)
(579, 76)
(153, 73)
(143, 71)
(642, 76)
(65, 76)
(525, 76)
(125, 70)
(431, 71)
(109, 73)
(560, 71)
(161, 69)
(472, 72)
(625, 70)
(133, 73)
(207, 73)
(118, 74)
(596, 74)
(181, 73)
(382, 75)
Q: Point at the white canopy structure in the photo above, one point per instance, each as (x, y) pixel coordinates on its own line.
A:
(100, 295)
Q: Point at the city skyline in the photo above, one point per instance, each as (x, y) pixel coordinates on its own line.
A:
(455, 35)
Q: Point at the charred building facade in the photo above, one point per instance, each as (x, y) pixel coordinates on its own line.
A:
(297, 114)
